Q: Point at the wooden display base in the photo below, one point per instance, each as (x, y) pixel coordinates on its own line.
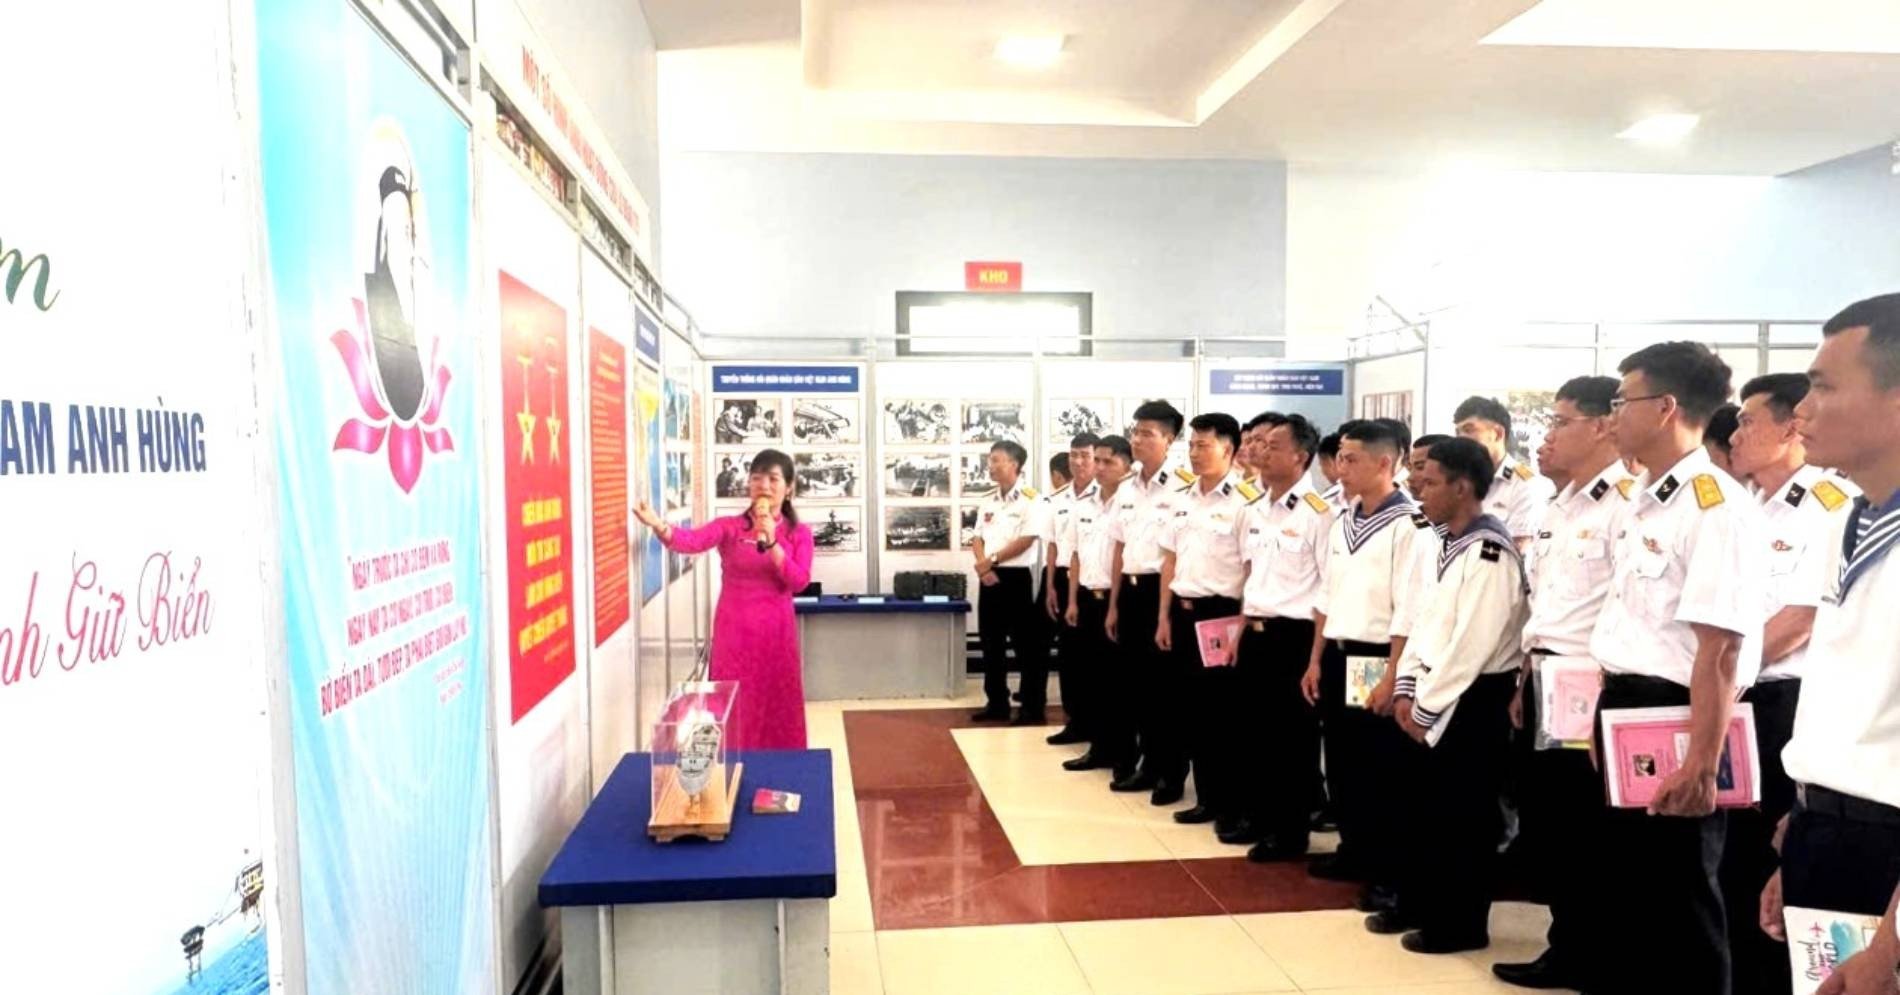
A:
(678, 815)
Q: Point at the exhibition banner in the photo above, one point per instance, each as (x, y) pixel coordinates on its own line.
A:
(1285, 380)
(537, 494)
(648, 400)
(367, 191)
(646, 336)
(785, 379)
(134, 845)
(607, 414)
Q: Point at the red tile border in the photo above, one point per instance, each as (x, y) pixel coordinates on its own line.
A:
(935, 854)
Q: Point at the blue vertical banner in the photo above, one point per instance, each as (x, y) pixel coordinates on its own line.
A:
(368, 204)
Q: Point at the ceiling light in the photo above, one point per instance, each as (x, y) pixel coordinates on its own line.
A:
(1661, 129)
(1030, 51)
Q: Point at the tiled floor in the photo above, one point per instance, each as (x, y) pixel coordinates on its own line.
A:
(972, 864)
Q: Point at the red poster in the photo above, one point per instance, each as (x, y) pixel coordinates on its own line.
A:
(607, 447)
(537, 494)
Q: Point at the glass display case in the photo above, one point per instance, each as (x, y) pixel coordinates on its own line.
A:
(694, 782)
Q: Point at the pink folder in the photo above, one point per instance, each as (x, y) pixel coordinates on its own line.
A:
(1218, 637)
(1645, 745)
(1567, 690)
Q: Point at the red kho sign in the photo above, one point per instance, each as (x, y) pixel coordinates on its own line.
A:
(995, 278)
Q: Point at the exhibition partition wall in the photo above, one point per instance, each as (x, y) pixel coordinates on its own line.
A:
(137, 773)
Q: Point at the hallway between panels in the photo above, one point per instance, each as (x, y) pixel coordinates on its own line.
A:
(970, 863)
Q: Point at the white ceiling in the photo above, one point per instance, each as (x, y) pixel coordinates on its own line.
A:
(1390, 83)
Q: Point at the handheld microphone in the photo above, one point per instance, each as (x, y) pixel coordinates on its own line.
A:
(762, 511)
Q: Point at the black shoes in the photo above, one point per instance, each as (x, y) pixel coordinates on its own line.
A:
(1198, 815)
(1166, 794)
(1237, 832)
(1138, 780)
(1087, 761)
(1122, 772)
(1067, 737)
(991, 714)
(1420, 941)
(1376, 898)
(1029, 717)
(1540, 973)
(1387, 923)
(1336, 868)
(1274, 849)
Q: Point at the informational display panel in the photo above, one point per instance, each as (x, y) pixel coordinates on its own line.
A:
(532, 343)
(367, 184)
(1245, 388)
(607, 312)
(815, 414)
(133, 844)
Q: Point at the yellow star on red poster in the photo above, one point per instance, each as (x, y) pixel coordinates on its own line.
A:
(526, 420)
(554, 436)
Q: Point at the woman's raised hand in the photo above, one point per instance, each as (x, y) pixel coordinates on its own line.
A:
(644, 512)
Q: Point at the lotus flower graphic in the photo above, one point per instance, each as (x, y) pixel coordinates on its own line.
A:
(399, 397)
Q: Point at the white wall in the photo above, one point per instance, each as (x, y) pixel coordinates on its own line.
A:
(606, 48)
(819, 244)
(1589, 246)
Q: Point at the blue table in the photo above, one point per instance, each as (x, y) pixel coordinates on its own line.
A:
(749, 914)
(897, 649)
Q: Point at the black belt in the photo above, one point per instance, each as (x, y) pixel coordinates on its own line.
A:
(1013, 570)
(1136, 579)
(1640, 681)
(1187, 604)
(1352, 647)
(1097, 595)
(1826, 801)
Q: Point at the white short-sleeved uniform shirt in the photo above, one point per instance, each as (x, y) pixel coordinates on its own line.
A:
(1470, 622)
(1088, 534)
(1204, 533)
(1059, 512)
(1805, 518)
(1847, 726)
(1374, 565)
(1285, 549)
(1690, 552)
(1571, 562)
(1008, 516)
(1518, 497)
(1141, 506)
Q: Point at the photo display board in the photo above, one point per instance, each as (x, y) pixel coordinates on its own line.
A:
(814, 413)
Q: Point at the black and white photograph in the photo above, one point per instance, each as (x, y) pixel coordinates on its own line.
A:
(975, 474)
(1129, 404)
(917, 475)
(836, 530)
(747, 420)
(916, 423)
(918, 529)
(966, 526)
(988, 422)
(679, 480)
(731, 471)
(679, 410)
(1072, 418)
(830, 475)
(824, 421)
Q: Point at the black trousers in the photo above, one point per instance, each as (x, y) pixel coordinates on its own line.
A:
(1656, 876)
(1366, 755)
(1841, 854)
(1072, 669)
(1450, 866)
(1749, 858)
(1278, 732)
(1007, 617)
(1203, 709)
(1138, 612)
(1110, 683)
(1560, 800)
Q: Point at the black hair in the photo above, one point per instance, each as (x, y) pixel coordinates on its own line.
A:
(1223, 427)
(1117, 445)
(1784, 390)
(769, 459)
(1305, 436)
(1881, 317)
(1013, 451)
(1059, 463)
(1401, 432)
(1591, 395)
(1161, 413)
(1263, 418)
(1328, 446)
(1428, 441)
(1465, 459)
(1688, 371)
(1375, 433)
(1486, 408)
(1722, 426)
(1084, 440)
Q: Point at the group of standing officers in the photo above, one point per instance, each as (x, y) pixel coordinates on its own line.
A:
(1395, 614)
